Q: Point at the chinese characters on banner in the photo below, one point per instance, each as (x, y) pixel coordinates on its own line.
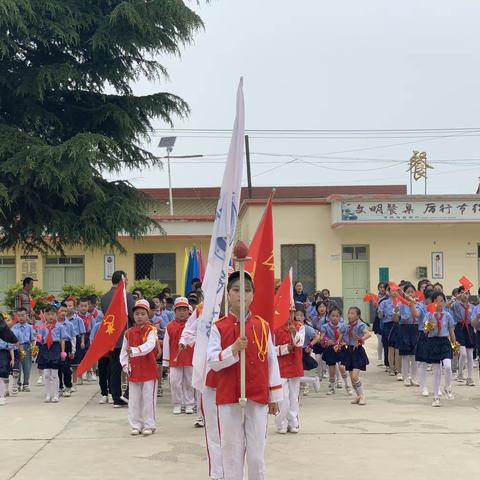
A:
(391, 210)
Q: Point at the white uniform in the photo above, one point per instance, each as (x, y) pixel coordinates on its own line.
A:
(243, 433)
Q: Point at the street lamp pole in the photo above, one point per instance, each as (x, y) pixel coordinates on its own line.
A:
(170, 194)
(168, 143)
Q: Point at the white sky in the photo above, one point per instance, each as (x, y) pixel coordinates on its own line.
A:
(311, 64)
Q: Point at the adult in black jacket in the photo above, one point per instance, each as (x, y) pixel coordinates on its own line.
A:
(115, 366)
(5, 333)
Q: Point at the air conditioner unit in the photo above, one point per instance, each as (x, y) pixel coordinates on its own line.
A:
(421, 272)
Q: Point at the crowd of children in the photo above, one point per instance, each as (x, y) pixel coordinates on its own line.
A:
(417, 328)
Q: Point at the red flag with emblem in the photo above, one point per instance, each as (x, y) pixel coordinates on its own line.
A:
(109, 332)
(282, 303)
(262, 267)
(466, 283)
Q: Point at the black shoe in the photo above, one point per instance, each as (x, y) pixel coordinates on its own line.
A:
(119, 404)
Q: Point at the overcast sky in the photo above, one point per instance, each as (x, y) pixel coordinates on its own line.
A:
(315, 65)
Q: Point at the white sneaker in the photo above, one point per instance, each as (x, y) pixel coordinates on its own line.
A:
(316, 385)
(449, 393)
(67, 393)
(469, 382)
(293, 429)
(110, 399)
(73, 389)
(47, 400)
(339, 385)
(199, 423)
(135, 431)
(436, 402)
(425, 392)
(282, 431)
(331, 389)
(414, 383)
(94, 377)
(348, 390)
(407, 382)
(55, 400)
(177, 410)
(103, 400)
(189, 410)
(306, 390)
(460, 379)
(3, 401)
(147, 431)
(399, 377)
(40, 380)
(429, 368)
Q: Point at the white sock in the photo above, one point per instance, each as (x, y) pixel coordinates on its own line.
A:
(447, 365)
(379, 348)
(3, 389)
(437, 376)
(470, 362)
(462, 360)
(422, 374)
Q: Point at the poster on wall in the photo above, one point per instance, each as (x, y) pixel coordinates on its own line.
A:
(108, 266)
(437, 265)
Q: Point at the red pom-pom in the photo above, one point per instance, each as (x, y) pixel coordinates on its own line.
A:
(241, 250)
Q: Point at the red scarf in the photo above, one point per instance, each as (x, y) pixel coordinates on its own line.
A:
(439, 322)
(335, 331)
(350, 329)
(467, 311)
(49, 340)
(87, 318)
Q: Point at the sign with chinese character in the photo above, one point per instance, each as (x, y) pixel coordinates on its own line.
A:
(108, 266)
(357, 211)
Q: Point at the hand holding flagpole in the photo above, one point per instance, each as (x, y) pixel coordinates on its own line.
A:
(240, 255)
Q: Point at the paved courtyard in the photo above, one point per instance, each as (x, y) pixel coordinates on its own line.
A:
(397, 435)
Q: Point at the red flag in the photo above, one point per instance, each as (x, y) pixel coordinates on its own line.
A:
(262, 267)
(399, 299)
(109, 331)
(419, 296)
(393, 286)
(201, 263)
(282, 303)
(466, 283)
(432, 307)
(371, 297)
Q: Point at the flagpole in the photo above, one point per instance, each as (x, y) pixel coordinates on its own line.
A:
(240, 257)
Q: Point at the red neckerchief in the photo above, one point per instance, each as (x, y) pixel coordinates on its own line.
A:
(86, 320)
(467, 311)
(49, 340)
(335, 330)
(351, 326)
(439, 322)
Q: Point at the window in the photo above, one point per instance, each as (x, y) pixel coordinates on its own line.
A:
(64, 261)
(7, 260)
(59, 271)
(355, 253)
(157, 266)
(302, 259)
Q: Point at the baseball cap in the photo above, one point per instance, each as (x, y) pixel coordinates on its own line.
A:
(181, 302)
(142, 304)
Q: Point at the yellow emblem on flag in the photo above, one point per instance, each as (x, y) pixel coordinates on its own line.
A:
(109, 321)
(269, 262)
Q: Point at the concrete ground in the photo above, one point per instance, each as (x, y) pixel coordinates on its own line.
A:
(396, 435)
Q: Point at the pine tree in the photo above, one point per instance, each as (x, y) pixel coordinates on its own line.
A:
(61, 133)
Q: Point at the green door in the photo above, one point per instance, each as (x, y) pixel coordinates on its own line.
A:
(54, 279)
(355, 279)
(7, 275)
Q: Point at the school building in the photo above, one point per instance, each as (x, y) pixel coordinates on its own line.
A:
(345, 238)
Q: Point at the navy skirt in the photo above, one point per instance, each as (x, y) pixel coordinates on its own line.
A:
(390, 331)
(49, 357)
(438, 349)
(465, 335)
(355, 358)
(331, 357)
(421, 352)
(79, 353)
(5, 368)
(377, 326)
(318, 349)
(407, 339)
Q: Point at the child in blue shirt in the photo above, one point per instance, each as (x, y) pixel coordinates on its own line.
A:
(24, 333)
(7, 360)
(79, 332)
(421, 356)
(354, 357)
(441, 336)
(331, 336)
(51, 353)
(65, 371)
(408, 335)
(385, 312)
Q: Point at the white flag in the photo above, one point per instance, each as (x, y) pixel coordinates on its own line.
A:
(221, 245)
